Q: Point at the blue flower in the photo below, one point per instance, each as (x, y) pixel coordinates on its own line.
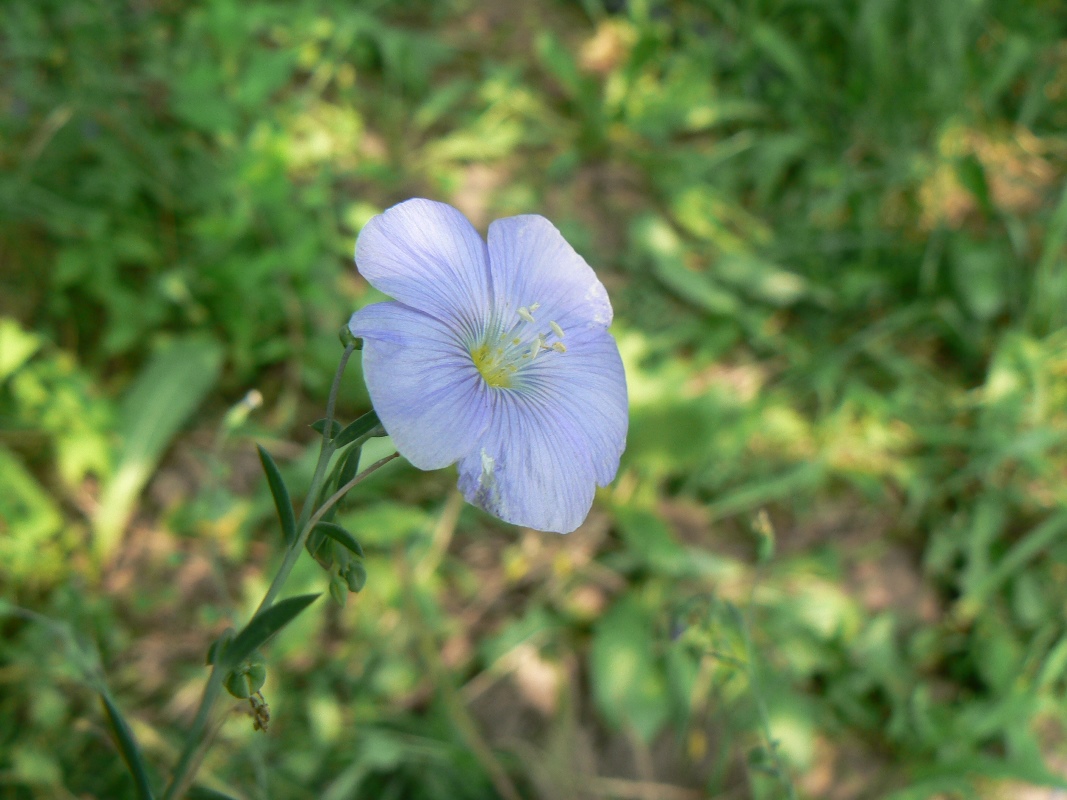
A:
(493, 356)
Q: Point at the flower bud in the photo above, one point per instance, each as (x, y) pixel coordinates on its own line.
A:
(238, 684)
(355, 576)
(256, 677)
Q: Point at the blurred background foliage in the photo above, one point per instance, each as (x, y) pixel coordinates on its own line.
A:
(834, 233)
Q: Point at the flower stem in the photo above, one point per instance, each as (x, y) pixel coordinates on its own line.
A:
(326, 452)
(188, 761)
(184, 771)
(293, 553)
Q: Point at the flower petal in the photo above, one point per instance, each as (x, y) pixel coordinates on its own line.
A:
(550, 442)
(530, 262)
(427, 392)
(428, 256)
(587, 386)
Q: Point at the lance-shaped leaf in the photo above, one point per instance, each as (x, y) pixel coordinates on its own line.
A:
(320, 426)
(362, 427)
(219, 646)
(343, 471)
(131, 753)
(341, 536)
(281, 496)
(262, 627)
(349, 466)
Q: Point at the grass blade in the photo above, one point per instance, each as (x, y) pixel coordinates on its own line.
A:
(161, 400)
(280, 493)
(131, 753)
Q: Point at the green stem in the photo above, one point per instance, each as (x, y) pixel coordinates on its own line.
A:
(294, 552)
(325, 454)
(187, 761)
(183, 773)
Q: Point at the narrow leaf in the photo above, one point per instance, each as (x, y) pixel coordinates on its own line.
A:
(131, 753)
(341, 536)
(262, 627)
(281, 496)
(320, 426)
(349, 466)
(362, 427)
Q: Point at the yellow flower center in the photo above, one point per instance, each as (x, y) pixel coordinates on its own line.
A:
(500, 353)
(494, 365)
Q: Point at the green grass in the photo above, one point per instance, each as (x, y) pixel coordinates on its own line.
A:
(834, 235)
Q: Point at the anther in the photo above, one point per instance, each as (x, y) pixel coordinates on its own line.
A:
(559, 347)
(537, 346)
(556, 329)
(526, 315)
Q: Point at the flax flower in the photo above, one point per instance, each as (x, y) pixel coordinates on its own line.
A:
(495, 356)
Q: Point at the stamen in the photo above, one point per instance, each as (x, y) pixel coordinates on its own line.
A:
(537, 346)
(502, 352)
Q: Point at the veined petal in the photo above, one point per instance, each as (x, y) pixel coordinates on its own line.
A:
(551, 441)
(428, 256)
(586, 386)
(427, 392)
(531, 263)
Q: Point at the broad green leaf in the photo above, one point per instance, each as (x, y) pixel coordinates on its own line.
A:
(127, 744)
(651, 540)
(341, 536)
(161, 400)
(281, 496)
(262, 627)
(29, 521)
(16, 346)
(629, 686)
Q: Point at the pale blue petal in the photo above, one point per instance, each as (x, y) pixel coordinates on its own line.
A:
(427, 392)
(428, 256)
(587, 386)
(550, 442)
(530, 262)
